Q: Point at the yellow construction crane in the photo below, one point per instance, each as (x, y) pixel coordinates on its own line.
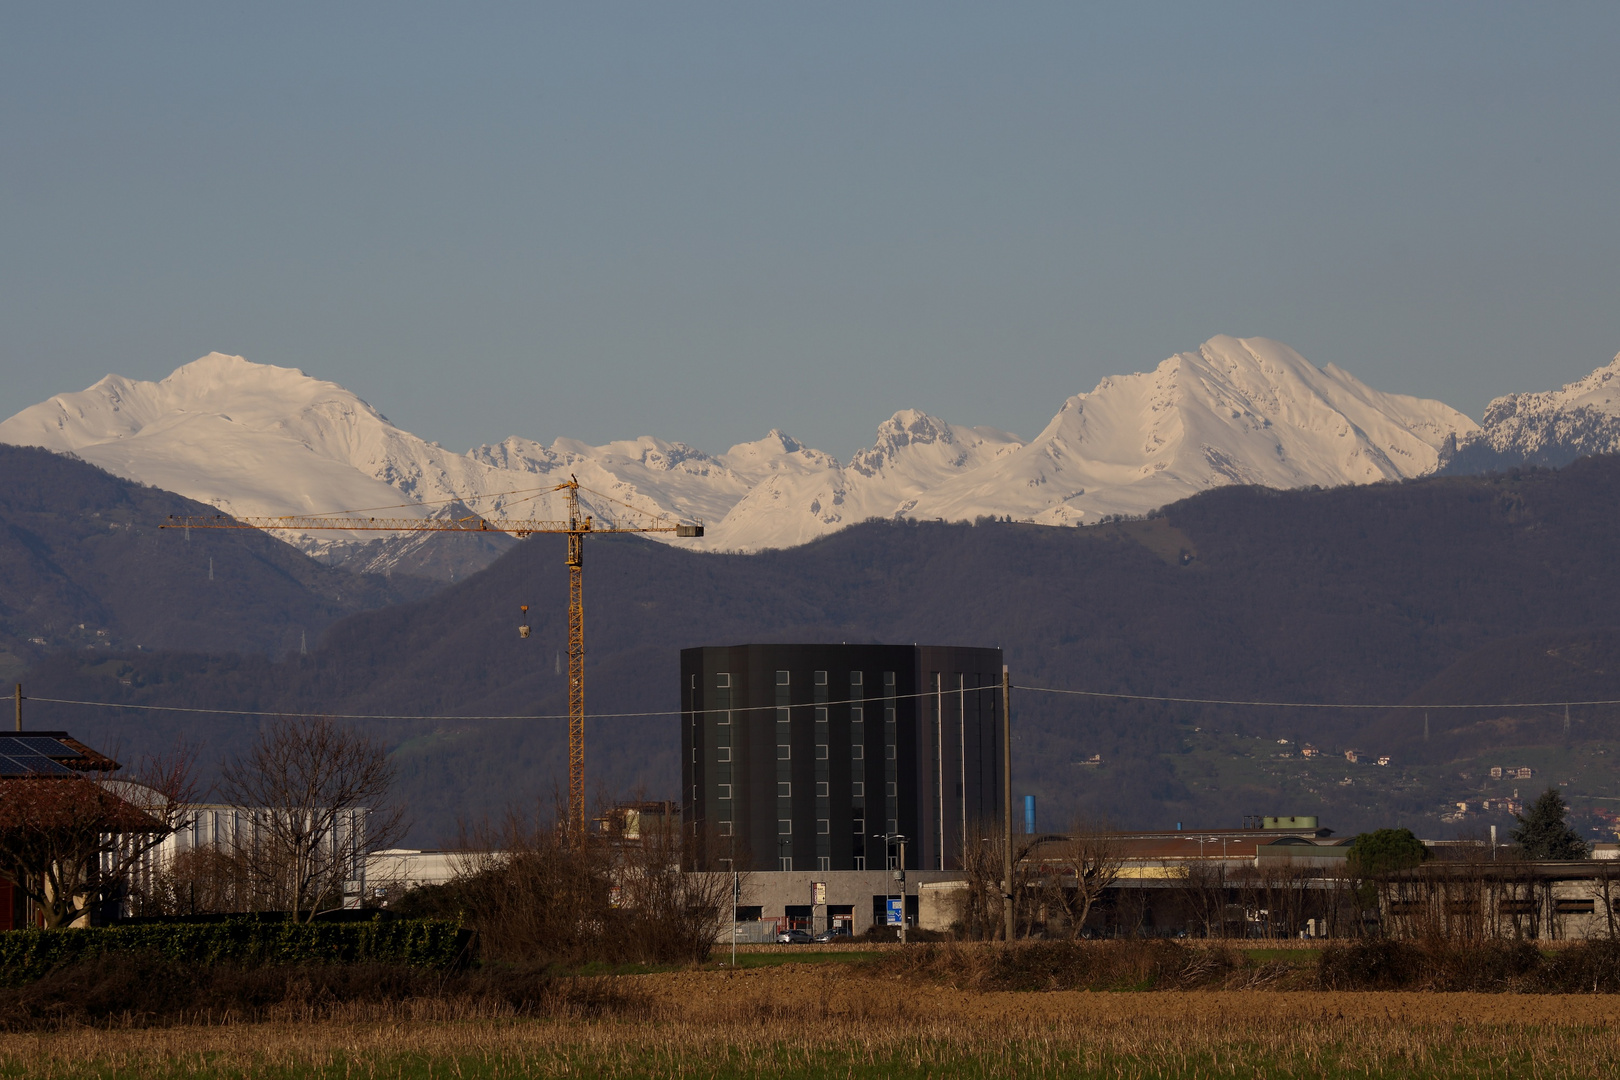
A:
(576, 528)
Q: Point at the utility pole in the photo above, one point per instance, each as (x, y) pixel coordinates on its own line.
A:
(19, 706)
(899, 873)
(1006, 802)
(961, 757)
(939, 747)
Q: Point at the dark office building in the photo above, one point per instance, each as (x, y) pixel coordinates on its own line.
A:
(805, 757)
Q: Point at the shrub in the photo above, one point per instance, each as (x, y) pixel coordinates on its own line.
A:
(26, 955)
(1591, 967)
(144, 988)
(1373, 964)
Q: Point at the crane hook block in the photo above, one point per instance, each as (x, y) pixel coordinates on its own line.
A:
(523, 627)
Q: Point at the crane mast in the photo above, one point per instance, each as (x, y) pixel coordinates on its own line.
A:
(577, 525)
(577, 528)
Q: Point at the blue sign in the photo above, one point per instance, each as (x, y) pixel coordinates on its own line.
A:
(896, 906)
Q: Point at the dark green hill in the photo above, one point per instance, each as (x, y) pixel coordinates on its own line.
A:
(83, 566)
(1350, 595)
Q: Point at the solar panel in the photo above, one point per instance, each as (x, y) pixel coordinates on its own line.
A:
(29, 764)
(41, 744)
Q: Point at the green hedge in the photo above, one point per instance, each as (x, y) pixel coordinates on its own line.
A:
(28, 954)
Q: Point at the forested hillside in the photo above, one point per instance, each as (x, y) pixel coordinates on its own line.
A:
(1443, 589)
(84, 567)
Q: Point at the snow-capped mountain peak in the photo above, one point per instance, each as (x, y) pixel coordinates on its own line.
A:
(1549, 428)
(260, 440)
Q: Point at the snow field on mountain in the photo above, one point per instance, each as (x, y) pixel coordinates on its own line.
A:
(254, 439)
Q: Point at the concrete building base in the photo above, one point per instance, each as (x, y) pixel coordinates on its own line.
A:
(852, 898)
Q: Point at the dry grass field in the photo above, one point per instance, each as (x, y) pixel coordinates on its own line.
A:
(812, 1020)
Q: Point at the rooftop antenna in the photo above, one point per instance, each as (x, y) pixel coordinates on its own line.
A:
(19, 706)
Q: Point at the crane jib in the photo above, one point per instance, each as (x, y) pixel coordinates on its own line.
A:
(576, 528)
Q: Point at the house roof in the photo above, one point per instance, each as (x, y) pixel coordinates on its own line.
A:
(30, 754)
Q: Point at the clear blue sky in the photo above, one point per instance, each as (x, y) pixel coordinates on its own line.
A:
(702, 221)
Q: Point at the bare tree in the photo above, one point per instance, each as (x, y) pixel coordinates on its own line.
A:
(674, 915)
(1605, 890)
(315, 799)
(72, 844)
(1203, 897)
(1080, 868)
(202, 880)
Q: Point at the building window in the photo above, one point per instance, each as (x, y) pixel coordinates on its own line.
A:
(722, 753)
(725, 865)
(821, 790)
(856, 715)
(784, 753)
(784, 790)
(888, 716)
(785, 863)
(821, 752)
(781, 678)
(694, 793)
(783, 716)
(823, 827)
(694, 755)
(888, 678)
(889, 751)
(723, 791)
(694, 682)
(857, 752)
(821, 714)
(860, 862)
(821, 678)
(722, 681)
(894, 862)
(894, 790)
(854, 678)
(857, 790)
(860, 825)
(725, 828)
(724, 718)
(784, 826)
(824, 862)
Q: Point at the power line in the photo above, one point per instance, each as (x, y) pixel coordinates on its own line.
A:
(1160, 698)
(1309, 704)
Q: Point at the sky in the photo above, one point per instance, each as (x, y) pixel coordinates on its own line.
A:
(703, 221)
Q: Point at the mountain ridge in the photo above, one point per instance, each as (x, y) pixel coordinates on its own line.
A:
(1400, 592)
(259, 440)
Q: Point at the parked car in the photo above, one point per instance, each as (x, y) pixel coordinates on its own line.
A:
(834, 934)
(794, 937)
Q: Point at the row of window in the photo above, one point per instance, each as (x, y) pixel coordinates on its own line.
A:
(784, 790)
(784, 715)
(784, 752)
(784, 827)
(722, 679)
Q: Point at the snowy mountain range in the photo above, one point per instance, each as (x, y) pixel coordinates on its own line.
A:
(1548, 429)
(259, 440)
